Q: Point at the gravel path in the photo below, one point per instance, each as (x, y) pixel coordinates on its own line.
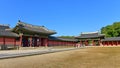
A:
(21, 53)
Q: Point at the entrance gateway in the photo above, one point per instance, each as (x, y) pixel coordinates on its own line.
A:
(31, 35)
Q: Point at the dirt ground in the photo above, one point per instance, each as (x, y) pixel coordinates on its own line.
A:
(92, 57)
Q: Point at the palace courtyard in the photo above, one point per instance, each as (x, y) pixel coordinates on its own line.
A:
(90, 57)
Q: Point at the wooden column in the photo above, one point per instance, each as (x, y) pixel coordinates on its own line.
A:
(85, 42)
(112, 43)
(30, 41)
(20, 43)
(108, 43)
(4, 43)
(117, 43)
(93, 42)
(3, 40)
(14, 42)
(46, 42)
(39, 41)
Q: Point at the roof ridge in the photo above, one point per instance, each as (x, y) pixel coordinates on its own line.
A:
(89, 32)
(4, 25)
(34, 26)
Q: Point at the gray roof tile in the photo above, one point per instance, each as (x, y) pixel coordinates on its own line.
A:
(39, 29)
(111, 39)
(8, 34)
(91, 35)
(61, 39)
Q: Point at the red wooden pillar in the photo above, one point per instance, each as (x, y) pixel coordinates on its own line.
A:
(20, 43)
(30, 41)
(62, 43)
(53, 42)
(49, 42)
(66, 43)
(105, 43)
(87, 42)
(46, 42)
(108, 43)
(112, 43)
(3, 40)
(14, 42)
(93, 42)
(81, 43)
(39, 41)
(102, 43)
(117, 43)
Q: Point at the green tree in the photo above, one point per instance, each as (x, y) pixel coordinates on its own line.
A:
(111, 30)
(66, 36)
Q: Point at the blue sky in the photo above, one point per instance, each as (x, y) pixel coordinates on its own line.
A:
(66, 17)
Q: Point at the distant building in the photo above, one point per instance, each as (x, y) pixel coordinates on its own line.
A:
(113, 41)
(90, 38)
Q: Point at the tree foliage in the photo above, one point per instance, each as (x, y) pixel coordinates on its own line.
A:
(66, 36)
(111, 30)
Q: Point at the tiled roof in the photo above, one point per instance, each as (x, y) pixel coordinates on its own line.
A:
(3, 27)
(61, 39)
(38, 29)
(111, 39)
(90, 35)
(8, 34)
(5, 31)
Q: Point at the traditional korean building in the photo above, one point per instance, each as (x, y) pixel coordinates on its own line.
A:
(7, 37)
(27, 35)
(31, 35)
(113, 41)
(90, 38)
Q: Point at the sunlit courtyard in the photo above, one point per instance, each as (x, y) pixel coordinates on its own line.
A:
(91, 57)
